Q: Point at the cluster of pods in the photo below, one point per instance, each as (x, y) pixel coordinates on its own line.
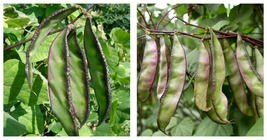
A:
(68, 76)
(245, 77)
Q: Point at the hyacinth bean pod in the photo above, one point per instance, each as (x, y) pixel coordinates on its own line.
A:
(177, 75)
(148, 69)
(259, 102)
(219, 100)
(99, 71)
(247, 70)
(41, 32)
(58, 86)
(235, 80)
(163, 68)
(202, 80)
(78, 78)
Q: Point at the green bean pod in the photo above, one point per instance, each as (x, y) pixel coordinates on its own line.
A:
(175, 84)
(78, 79)
(163, 68)
(259, 102)
(41, 32)
(148, 69)
(247, 70)
(235, 80)
(219, 100)
(202, 79)
(58, 85)
(98, 68)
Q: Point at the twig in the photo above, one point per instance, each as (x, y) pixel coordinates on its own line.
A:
(144, 19)
(150, 17)
(166, 15)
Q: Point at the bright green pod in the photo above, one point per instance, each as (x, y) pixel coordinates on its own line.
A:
(219, 100)
(78, 78)
(177, 75)
(99, 71)
(163, 68)
(235, 80)
(58, 85)
(247, 70)
(148, 69)
(202, 80)
(41, 32)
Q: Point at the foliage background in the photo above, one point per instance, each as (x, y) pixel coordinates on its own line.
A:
(188, 120)
(28, 114)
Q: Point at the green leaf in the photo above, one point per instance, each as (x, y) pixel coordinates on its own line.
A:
(12, 127)
(16, 87)
(55, 127)
(209, 128)
(31, 117)
(257, 128)
(147, 132)
(240, 13)
(159, 133)
(103, 130)
(184, 128)
(120, 36)
(85, 131)
(220, 24)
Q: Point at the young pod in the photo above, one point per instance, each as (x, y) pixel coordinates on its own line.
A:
(163, 68)
(235, 80)
(148, 69)
(98, 68)
(58, 85)
(175, 84)
(39, 35)
(219, 100)
(247, 70)
(201, 83)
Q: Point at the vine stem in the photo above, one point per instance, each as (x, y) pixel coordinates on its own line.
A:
(249, 39)
(50, 33)
(157, 27)
(152, 31)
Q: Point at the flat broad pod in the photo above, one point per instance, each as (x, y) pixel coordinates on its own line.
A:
(148, 69)
(218, 99)
(175, 84)
(247, 70)
(163, 68)
(39, 35)
(202, 99)
(235, 80)
(99, 71)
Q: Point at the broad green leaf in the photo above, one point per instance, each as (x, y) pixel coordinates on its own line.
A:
(55, 127)
(209, 128)
(243, 122)
(184, 128)
(212, 7)
(103, 130)
(31, 117)
(16, 87)
(220, 24)
(159, 133)
(12, 127)
(257, 128)
(240, 13)
(85, 131)
(147, 132)
(120, 36)
(191, 59)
